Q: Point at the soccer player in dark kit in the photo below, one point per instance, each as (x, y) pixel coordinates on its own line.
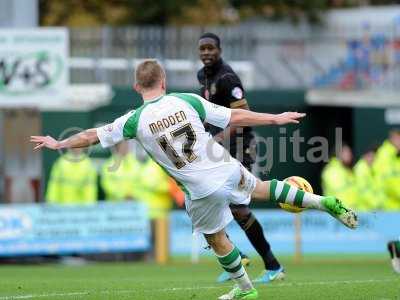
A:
(220, 85)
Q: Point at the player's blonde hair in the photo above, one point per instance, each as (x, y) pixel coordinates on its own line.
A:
(149, 73)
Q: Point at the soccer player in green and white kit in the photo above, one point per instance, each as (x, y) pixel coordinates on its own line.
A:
(170, 128)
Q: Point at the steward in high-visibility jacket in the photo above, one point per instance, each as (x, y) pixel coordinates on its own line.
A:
(370, 195)
(73, 180)
(338, 180)
(387, 169)
(156, 190)
(121, 176)
(159, 191)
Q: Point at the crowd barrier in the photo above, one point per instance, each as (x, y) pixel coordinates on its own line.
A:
(39, 229)
(317, 233)
(33, 229)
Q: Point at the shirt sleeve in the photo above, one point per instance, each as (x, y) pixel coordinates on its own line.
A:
(113, 133)
(215, 114)
(231, 89)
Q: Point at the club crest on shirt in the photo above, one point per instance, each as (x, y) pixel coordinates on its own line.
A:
(213, 89)
(237, 93)
(207, 94)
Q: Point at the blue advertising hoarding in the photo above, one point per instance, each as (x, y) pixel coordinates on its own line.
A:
(33, 229)
(320, 233)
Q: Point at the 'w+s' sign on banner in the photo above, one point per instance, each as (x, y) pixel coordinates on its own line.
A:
(33, 66)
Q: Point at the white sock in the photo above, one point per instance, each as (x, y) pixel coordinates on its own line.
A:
(312, 201)
(243, 281)
(233, 265)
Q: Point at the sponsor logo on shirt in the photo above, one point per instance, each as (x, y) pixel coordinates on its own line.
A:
(109, 128)
(213, 89)
(207, 94)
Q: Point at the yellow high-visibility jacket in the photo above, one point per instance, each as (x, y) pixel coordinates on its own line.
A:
(387, 168)
(156, 190)
(121, 178)
(338, 181)
(72, 181)
(370, 195)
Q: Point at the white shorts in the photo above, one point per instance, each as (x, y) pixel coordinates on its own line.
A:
(212, 213)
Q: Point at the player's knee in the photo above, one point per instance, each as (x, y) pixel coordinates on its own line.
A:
(211, 240)
(261, 191)
(244, 217)
(240, 212)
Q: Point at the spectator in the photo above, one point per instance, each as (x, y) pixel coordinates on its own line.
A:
(338, 178)
(370, 195)
(72, 179)
(158, 192)
(387, 169)
(120, 174)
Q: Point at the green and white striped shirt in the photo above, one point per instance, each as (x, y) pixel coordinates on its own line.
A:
(171, 130)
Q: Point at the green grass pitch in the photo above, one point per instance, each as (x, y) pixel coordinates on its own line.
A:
(349, 277)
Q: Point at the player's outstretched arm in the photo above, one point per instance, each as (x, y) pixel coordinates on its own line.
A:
(242, 117)
(79, 140)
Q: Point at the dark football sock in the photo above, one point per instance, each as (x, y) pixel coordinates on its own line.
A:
(255, 234)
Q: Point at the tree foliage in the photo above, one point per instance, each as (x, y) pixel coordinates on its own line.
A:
(199, 12)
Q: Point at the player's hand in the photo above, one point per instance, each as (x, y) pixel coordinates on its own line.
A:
(289, 118)
(44, 142)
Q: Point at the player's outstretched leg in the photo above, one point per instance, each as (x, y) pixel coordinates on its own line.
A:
(281, 192)
(230, 260)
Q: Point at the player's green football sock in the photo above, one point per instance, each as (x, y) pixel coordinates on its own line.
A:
(283, 192)
(233, 265)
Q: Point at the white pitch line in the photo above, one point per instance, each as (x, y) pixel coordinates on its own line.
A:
(86, 293)
(288, 284)
(44, 295)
